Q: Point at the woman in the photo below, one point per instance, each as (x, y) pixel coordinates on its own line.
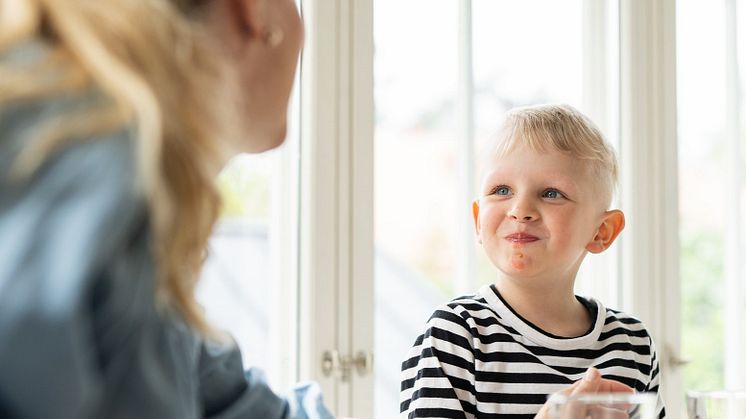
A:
(115, 116)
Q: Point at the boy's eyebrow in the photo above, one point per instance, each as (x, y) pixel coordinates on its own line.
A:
(561, 177)
(564, 179)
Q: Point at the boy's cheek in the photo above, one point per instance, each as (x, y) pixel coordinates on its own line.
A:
(488, 228)
(490, 215)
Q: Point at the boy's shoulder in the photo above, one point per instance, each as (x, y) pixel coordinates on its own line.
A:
(468, 303)
(618, 321)
(475, 301)
(614, 315)
(464, 310)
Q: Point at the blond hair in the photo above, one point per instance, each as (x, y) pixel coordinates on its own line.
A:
(562, 128)
(152, 62)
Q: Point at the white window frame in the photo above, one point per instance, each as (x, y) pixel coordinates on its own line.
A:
(336, 236)
(733, 260)
(466, 264)
(650, 247)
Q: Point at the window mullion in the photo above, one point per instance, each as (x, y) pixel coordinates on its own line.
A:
(650, 180)
(466, 265)
(318, 268)
(733, 271)
(336, 243)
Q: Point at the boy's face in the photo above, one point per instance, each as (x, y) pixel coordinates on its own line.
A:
(539, 213)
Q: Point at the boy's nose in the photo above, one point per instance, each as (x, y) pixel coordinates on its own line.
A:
(522, 213)
(525, 218)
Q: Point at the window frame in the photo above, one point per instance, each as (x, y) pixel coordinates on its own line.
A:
(336, 219)
(733, 266)
(650, 251)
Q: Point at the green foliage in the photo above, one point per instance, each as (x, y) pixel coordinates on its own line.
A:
(702, 309)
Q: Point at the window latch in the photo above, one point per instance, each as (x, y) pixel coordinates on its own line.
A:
(343, 365)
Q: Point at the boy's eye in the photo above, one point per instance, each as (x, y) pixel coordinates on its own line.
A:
(552, 194)
(502, 190)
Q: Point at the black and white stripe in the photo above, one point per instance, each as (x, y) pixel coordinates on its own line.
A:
(478, 358)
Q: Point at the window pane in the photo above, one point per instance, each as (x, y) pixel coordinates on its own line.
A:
(702, 157)
(415, 177)
(232, 288)
(247, 287)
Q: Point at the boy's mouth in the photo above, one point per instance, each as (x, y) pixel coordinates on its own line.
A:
(521, 238)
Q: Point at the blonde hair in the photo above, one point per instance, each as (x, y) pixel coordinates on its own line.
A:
(562, 128)
(153, 64)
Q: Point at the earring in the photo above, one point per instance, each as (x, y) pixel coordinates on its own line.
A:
(273, 36)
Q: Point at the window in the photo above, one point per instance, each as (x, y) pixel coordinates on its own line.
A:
(416, 178)
(238, 258)
(710, 45)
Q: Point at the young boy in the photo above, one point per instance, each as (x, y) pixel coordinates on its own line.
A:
(543, 206)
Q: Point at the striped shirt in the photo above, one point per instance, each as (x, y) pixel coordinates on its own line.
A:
(479, 358)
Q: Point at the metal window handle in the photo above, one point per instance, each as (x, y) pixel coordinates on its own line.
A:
(363, 362)
(332, 362)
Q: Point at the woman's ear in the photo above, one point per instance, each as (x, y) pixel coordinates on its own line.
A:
(234, 22)
(475, 213)
(611, 226)
(251, 15)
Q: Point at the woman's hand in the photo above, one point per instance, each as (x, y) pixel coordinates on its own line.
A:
(592, 382)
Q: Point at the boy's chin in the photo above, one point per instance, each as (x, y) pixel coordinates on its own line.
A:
(522, 269)
(517, 263)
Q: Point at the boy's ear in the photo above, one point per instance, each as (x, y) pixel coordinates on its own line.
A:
(611, 226)
(475, 212)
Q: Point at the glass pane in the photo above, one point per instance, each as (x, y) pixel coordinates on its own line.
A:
(415, 177)
(701, 109)
(246, 284)
(232, 287)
